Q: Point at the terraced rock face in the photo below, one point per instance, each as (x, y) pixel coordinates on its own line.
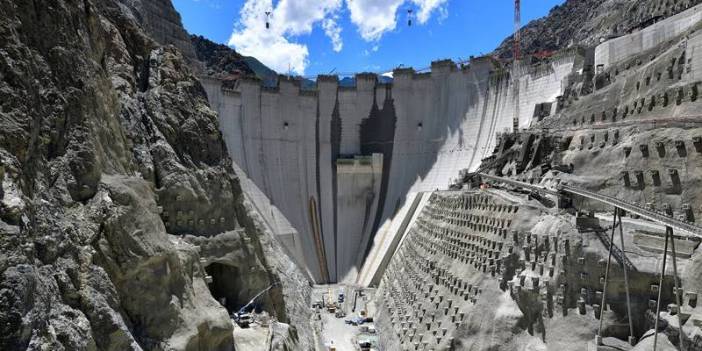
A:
(625, 126)
(494, 270)
(630, 129)
(108, 152)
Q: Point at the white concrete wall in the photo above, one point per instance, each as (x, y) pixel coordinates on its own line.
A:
(355, 105)
(693, 51)
(460, 112)
(387, 240)
(542, 84)
(618, 49)
(327, 98)
(258, 142)
(357, 199)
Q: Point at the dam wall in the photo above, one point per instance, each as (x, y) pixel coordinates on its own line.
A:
(293, 146)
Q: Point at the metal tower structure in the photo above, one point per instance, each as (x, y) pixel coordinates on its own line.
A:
(516, 55)
(517, 26)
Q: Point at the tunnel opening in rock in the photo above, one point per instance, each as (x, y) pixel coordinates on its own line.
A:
(227, 286)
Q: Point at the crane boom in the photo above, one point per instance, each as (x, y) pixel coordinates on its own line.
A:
(517, 26)
(243, 309)
(516, 55)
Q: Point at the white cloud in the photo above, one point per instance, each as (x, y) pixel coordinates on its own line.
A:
(426, 7)
(298, 16)
(376, 17)
(373, 17)
(274, 51)
(333, 31)
(289, 17)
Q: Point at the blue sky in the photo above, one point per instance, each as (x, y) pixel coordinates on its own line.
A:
(310, 37)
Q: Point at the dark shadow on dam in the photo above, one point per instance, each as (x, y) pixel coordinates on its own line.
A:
(378, 133)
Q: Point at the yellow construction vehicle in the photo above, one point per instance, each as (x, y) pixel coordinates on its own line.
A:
(331, 304)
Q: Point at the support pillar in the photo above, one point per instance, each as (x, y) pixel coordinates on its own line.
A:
(677, 288)
(609, 261)
(632, 339)
(660, 289)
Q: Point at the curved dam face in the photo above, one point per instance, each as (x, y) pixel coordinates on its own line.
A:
(330, 167)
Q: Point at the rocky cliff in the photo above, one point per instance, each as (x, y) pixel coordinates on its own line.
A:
(116, 186)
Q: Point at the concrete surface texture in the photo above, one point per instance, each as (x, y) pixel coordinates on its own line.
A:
(287, 141)
(619, 49)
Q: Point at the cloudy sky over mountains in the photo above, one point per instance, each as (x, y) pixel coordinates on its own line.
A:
(308, 37)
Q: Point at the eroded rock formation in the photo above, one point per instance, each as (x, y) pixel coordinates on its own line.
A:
(115, 183)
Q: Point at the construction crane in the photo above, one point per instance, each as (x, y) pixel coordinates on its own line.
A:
(517, 51)
(516, 55)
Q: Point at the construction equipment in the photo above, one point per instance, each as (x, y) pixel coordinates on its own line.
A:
(341, 296)
(516, 54)
(243, 318)
(331, 304)
(517, 26)
(268, 15)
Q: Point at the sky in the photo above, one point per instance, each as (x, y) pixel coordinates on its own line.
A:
(310, 37)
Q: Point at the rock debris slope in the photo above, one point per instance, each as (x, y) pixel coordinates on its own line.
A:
(115, 181)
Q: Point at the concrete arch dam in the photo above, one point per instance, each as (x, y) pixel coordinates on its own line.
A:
(330, 167)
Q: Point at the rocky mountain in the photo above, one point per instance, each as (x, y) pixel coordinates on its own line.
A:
(221, 61)
(585, 22)
(117, 192)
